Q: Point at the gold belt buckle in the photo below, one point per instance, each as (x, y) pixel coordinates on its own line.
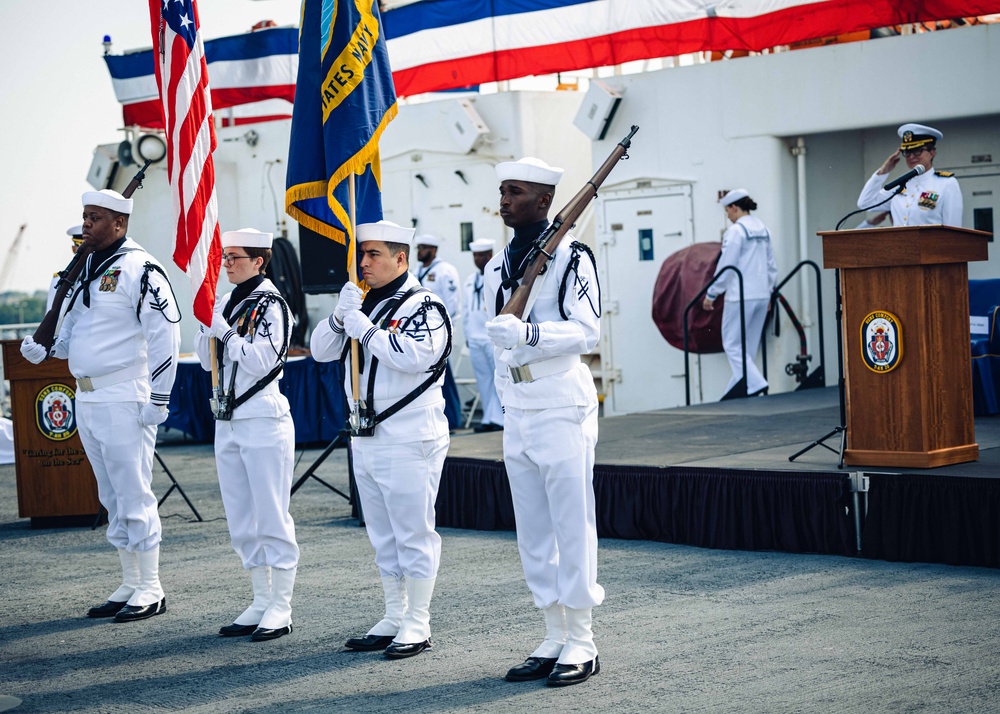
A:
(520, 374)
(84, 384)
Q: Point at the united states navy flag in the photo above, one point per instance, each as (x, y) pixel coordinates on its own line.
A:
(344, 99)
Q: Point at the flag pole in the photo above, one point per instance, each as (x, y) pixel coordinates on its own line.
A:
(352, 271)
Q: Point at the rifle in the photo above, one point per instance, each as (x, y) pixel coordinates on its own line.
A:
(45, 334)
(546, 244)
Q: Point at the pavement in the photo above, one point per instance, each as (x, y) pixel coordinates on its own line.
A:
(682, 629)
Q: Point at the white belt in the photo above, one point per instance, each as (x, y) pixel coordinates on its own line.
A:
(89, 384)
(544, 368)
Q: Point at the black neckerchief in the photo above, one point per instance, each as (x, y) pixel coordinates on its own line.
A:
(515, 257)
(95, 267)
(240, 293)
(477, 290)
(377, 295)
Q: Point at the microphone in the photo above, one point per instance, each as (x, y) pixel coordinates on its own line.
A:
(901, 181)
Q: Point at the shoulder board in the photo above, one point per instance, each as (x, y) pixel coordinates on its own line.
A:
(945, 174)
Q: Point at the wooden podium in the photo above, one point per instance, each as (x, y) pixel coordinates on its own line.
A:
(905, 294)
(54, 478)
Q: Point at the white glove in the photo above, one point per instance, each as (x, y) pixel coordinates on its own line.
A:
(219, 326)
(356, 324)
(351, 298)
(32, 351)
(152, 414)
(507, 332)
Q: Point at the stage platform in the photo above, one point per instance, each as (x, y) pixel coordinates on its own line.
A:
(719, 475)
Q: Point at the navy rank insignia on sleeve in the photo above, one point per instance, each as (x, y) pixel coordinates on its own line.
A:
(881, 341)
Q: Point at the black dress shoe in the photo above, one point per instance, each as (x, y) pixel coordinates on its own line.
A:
(397, 650)
(566, 674)
(130, 613)
(108, 609)
(480, 428)
(368, 643)
(263, 633)
(531, 668)
(759, 393)
(235, 630)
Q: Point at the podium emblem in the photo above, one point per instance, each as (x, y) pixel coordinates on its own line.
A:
(881, 341)
(55, 412)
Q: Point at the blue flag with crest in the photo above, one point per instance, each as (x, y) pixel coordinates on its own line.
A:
(344, 99)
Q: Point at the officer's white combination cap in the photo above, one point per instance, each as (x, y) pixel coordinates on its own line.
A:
(914, 135)
(427, 239)
(529, 169)
(733, 196)
(482, 245)
(106, 198)
(75, 231)
(385, 231)
(247, 238)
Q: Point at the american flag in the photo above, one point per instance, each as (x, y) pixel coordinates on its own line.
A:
(182, 77)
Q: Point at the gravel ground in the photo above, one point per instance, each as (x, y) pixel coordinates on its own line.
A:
(682, 629)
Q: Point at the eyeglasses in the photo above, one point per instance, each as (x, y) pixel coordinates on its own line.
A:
(915, 152)
(230, 258)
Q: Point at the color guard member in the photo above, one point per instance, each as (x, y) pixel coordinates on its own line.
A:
(480, 348)
(550, 426)
(254, 433)
(400, 442)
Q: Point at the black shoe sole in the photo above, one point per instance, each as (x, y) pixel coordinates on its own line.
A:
(364, 644)
(235, 630)
(131, 613)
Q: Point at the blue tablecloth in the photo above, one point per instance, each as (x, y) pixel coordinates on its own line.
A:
(314, 391)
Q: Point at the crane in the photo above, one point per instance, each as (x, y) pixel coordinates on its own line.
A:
(11, 259)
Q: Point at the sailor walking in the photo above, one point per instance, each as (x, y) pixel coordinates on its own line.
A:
(254, 433)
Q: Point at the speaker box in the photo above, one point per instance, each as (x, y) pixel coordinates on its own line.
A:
(466, 127)
(324, 263)
(597, 109)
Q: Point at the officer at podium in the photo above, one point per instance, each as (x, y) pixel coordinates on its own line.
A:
(929, 198)
(121, 337)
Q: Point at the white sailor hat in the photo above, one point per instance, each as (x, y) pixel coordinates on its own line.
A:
(247, 238)
(482, 245)
(385, 231)
(427, 239)
(733, 196)
(529, 169)
(106, 198)
(914, 135)
(76, 233)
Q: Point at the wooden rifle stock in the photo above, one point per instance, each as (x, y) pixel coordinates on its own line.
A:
(548, 241)
(45, 334)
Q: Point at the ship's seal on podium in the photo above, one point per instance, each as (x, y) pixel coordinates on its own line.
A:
(881, 341)
(55, 412)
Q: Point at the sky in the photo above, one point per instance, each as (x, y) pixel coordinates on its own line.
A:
(58, 105)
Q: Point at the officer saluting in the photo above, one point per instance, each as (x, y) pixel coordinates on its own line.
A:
(121, 338)
(550, 427)
(254, 433)
(405, 337)
(933, 197)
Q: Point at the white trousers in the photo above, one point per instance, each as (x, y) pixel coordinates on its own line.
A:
(120, 451)
(755, 313)
(398, 486)
(549, 455)
(481, 356)
(255, 458)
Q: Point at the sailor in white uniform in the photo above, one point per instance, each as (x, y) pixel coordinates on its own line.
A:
(746, 245)
(441, 278)
(480, 348)
(121, 337)
(550, 427)
(76, 235)
(934, 197)
(400, 435)
(254, 433)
